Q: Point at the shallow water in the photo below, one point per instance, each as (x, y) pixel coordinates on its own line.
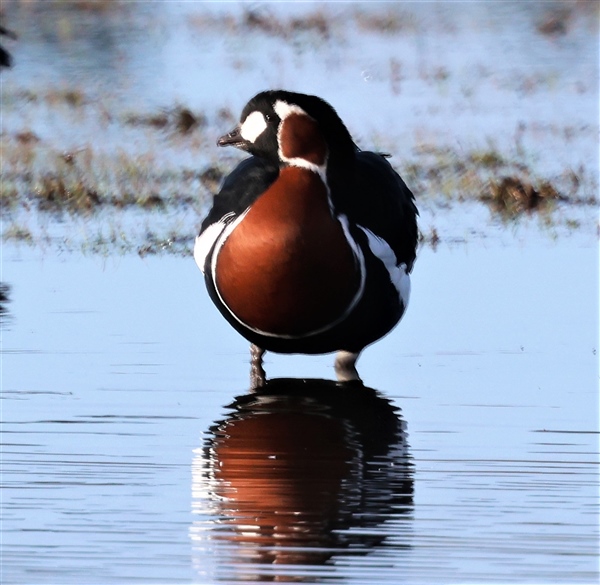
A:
(133, 453)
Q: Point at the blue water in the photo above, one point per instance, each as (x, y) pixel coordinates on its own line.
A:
(133, 453)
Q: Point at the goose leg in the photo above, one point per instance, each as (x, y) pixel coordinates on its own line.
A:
(257, 372)
(345, 366)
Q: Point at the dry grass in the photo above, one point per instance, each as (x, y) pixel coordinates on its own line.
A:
(389, 21)
(84, 181)
(178, 119)
(508, 186)
(18, 233)
(263, 20)
(319, 23)
(556, 21)
(54, 193)
(511, 196)
(90, 5)
(55, 96)
(4, 299)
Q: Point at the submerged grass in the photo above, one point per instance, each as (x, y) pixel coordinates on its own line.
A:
(261, 19)
(510, 187)
(18, 233)
(160, 170)
(391, 19)
(178, 119)
(54, 194)
(122, 199)
(84, 180)
(511, 196)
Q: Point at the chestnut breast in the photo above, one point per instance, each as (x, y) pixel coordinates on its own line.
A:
(287, 268)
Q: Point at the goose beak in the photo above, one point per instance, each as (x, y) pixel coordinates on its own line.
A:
(233, 138)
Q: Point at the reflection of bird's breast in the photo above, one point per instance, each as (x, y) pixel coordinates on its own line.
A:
(277, 462)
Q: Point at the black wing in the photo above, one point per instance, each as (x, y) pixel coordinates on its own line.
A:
(380, 201)
(241, 188)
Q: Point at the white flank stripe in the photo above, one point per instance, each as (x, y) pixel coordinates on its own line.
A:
(398, 274)
(222, 236)
(220, 240)
(206, 240)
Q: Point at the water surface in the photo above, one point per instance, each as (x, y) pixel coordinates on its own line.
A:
(133, 451)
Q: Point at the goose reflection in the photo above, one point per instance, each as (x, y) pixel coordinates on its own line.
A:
(297, 473)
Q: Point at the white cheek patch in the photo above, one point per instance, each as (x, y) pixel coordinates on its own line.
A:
(253, 126)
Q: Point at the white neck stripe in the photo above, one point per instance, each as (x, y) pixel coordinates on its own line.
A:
(302, 163)
(283, 109)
